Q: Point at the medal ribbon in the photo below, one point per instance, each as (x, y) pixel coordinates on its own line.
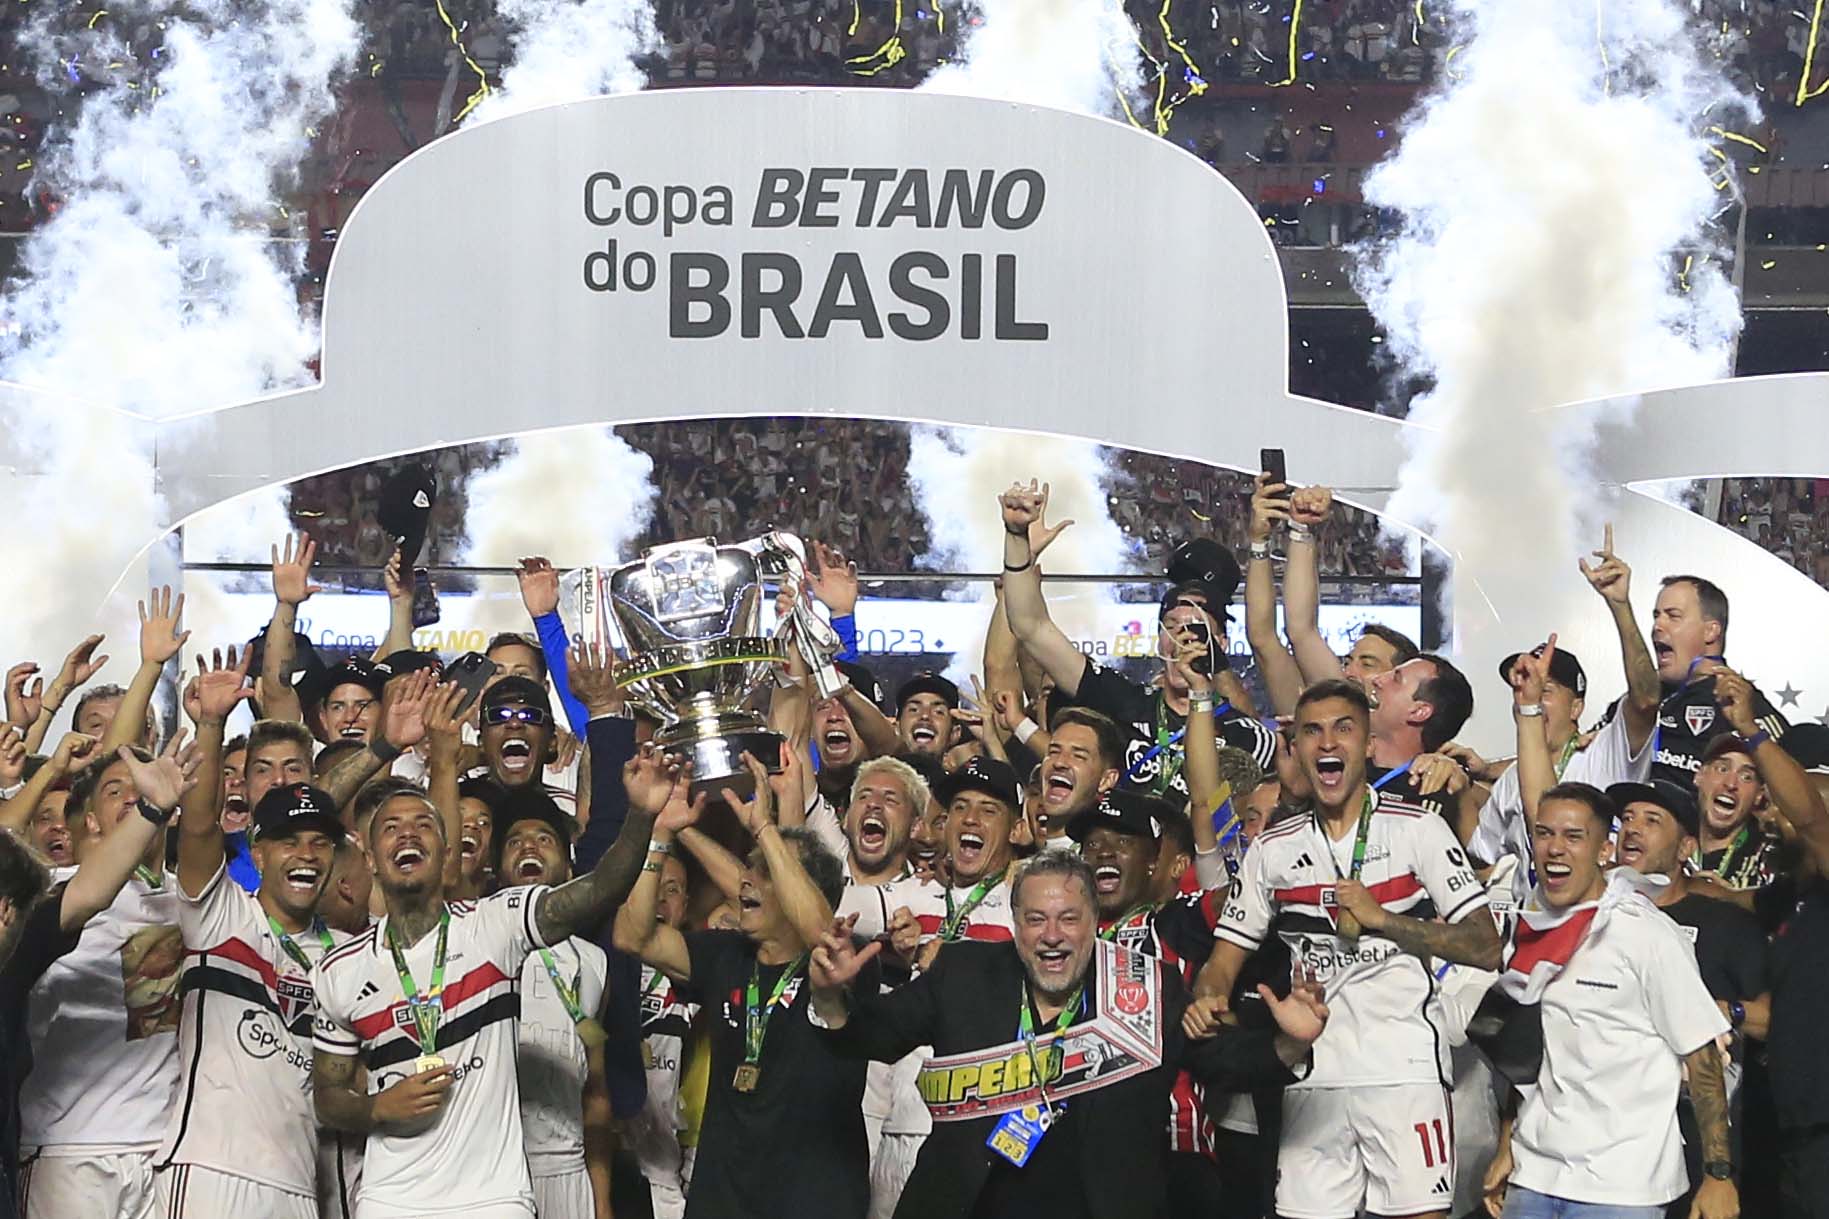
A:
(568, 992)
(290, 946)
(1025, 1030)
(755, 1014)
(428, 1007)
(1164, 740)
(1138, 913)
(954, 922)
(148, 877)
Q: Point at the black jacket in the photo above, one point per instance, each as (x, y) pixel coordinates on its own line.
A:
(970, 1001)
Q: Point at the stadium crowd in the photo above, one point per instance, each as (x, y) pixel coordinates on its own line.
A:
(440, 936)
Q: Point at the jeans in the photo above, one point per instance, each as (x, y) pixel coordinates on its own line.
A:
(1521, 1203)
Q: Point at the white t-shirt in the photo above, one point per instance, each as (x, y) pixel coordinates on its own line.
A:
(666, 1021)
(244, 1107)
(1386, 1024)
(104, 1029)
(553, 1064)
(1607, 760)
(1601, 1124)
(472, 1156)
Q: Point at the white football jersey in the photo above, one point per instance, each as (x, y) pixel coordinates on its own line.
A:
(244, 1104)
(1386, 1024)
(553, 1065)
(472, 1156)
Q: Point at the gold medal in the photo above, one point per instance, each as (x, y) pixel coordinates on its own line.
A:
(427, 1062)
(747, 1077)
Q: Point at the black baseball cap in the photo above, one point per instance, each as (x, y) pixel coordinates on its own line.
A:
(410, 660)
(355, 671)
(527, 803)
(1677, 801)
(308, 667)
(1724, 742)
(1565, 668)
(927, 683)
(1808, 743)
(1126, 812)
(862, 680)
(515, 689)
(294, 808)
(986, 775)
(405, 511)
(1205, 561)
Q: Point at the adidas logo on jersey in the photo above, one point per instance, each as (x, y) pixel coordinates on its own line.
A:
(1303, 861)
(1442, 1187)
(368, 988)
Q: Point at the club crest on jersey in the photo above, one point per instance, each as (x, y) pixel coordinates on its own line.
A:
(402, 1015)
(295, 996)
(1330, 905)
(1699, 718)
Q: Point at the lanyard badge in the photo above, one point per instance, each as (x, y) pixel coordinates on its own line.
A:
(755, 1021)
(1018, 1133)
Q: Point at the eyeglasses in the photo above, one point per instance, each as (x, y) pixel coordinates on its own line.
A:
(533, 717)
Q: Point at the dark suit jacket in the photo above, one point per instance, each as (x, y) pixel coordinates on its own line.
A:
(971, 1000)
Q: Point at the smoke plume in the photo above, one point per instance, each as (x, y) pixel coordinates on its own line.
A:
(564, 50)
(1551, 190)
(579, 496)
(1068, 54)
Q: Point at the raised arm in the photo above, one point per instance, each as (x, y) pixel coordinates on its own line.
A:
(1612, 579)
(159, 642)
(72, 753)
(81, 665)
(1282, 676)
(656, 785)
(1791, 788)
(805, 906)
(399, 608)
(610, 737)
(445, 734)
(1536, 769)
(1025, 536)
(405, 702)
(221, 687)
(292, 587)
(540, 594)
(107, 863)
(1205, 786)
(832, 581)
(1309, 508)
(584, 902)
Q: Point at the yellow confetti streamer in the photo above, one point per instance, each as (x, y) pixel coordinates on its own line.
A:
(1804, 91)
(1295, 27)
(482, 78)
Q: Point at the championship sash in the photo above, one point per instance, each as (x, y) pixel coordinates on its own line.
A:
(1122, 1040)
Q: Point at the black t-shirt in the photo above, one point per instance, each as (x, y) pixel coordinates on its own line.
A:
(1730, 948)
(1142, 714)
(1048, 1186)
(794, 1147)
(1688, 719)
(1798, 966)
(42, 940)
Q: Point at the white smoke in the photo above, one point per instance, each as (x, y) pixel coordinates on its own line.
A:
(1550, 190)
(1069, 54)
(578, 496)
(957, 475)
(564, 50)
(156, 289)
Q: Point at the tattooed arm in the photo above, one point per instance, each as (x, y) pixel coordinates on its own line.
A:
(1472, 941)
(1715, 1198)
(581, 904)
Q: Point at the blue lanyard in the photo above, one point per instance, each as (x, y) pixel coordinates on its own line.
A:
(1657, 733)
(1396, 772)
(1137, 767)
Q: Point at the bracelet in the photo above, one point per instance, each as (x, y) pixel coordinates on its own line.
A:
(1528, 710)
(657, 847)
(1753, 742)
(1013, 570)
(1300, 533)
(1026, 729)
(654, 865)
(1197, 703)
(155, 814)
(385, 751)
(1260, 550)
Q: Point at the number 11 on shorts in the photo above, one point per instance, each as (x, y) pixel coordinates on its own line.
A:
(1438, 1154)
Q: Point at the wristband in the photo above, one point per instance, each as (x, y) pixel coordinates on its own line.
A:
(1260, 550)
(1300, 533)
(657, 847)
(1201, 703)
(155, 814)
(654, 865)
(385, 751)
(1026, 729)
(1013, 570)
(1528, 710)
(1753, 742)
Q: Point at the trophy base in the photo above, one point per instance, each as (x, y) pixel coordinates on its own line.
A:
(716, 748)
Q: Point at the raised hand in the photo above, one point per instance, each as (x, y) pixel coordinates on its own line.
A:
(759, 809)
(80, 665)
(591, 677)
(1611, 578)
(12, 756)
(160, 638)
(405, 703)
(165, 780)
(75, 751)
(23, 703)
(1188, 650)
(445, 716)
(539, 586)
(1310, 506)
(682, 809)
(397, 588)
(1734, 695)
(1530, 673)
(832, 580)
(1025, 513)
(648, 779)
(292, 571)
(1269, 504)
(837, 960)
(222, 684)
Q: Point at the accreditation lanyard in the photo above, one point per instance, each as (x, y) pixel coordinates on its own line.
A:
(756, 1013)
(1166, 740)
(1025, 1031)
(1137, 915)
(954, 924)
(568, 991)
(1568, 751)
(1725, 869)
(1365, 823)
(290, 947)
(146, 876)
(427, 1007)
(1657, 735)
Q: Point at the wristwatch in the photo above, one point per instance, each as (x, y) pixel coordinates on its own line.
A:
(155, 814)
(1720, 1170)
(1736, 1013)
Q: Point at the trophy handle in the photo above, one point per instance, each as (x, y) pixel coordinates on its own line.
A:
(782, 554)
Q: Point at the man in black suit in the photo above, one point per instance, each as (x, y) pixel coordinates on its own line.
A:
(1047, 1050)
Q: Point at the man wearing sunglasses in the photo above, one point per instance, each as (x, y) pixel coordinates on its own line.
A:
(517, 731)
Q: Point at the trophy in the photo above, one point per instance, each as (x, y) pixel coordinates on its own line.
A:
(688, 616)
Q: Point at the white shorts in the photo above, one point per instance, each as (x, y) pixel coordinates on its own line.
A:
(889, 1171)
(667, 1190)
(1390, 1146)
(191, 1191)
(565, 1195)
(92, 1186)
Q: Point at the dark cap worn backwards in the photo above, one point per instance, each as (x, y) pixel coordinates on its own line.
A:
(1565, 669)
(987, 775)
(1677, 801)
(516, 690)
(295, 808)
(1126, 812)
(927, 683)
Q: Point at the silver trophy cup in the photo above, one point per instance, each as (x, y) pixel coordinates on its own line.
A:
(689, 617)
